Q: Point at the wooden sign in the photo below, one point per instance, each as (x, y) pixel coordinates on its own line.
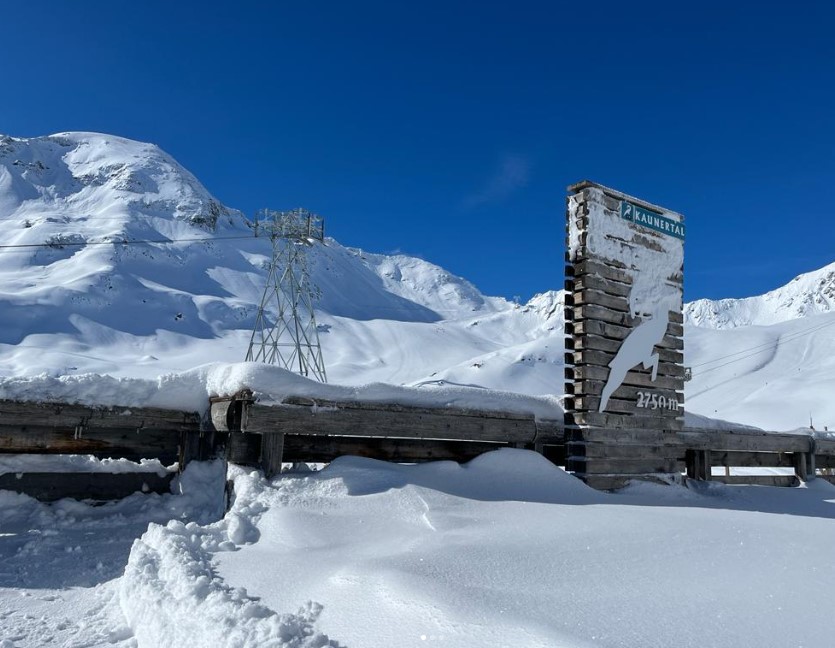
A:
(624, 331)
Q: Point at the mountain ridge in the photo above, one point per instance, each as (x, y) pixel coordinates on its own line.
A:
(810, 293)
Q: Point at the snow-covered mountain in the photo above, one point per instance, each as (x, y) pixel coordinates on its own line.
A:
(811, 293)
(184, 291)
(89, 302)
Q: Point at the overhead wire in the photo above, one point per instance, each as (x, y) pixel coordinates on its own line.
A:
(62, 244)
(761, 348)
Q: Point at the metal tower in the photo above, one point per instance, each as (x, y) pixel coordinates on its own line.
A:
(292, 339)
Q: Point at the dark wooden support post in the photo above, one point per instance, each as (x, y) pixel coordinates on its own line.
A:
(811, 467)
(698, 464)
(272, 451)
(801, 465)
(264, 449)
(189, 447)
(706, 465)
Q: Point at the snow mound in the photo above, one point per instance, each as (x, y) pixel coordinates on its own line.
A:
(500, 475)
(190, 391)
(171, 595)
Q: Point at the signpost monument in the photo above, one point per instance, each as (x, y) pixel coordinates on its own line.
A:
(624, 335)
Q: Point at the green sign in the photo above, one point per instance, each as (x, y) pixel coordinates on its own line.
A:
(651, 219)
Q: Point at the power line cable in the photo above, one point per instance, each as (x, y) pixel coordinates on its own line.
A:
(767, 345)
(788, 338)
(62, 244)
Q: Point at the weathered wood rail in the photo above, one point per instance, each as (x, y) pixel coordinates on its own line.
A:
(303, 429)
(173, 437)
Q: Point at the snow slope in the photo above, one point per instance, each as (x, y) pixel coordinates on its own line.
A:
(143, 309)
(91, 303)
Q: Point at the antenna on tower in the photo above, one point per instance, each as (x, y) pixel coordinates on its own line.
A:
(285, 330)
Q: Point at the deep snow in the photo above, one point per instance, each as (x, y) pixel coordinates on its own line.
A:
(507, 550)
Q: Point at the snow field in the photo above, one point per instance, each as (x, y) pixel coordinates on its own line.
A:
(509, 550)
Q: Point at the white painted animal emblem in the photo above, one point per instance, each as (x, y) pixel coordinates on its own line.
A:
(637, 348)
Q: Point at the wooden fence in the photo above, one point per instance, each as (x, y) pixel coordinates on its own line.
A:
(302, 429)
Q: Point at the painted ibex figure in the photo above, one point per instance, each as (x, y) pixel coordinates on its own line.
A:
(638, 348)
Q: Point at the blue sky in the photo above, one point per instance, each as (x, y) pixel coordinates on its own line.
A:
(450, 130)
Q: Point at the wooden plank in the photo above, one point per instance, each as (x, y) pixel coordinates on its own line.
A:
(622, 466)
(17, 413)
(298, 448)
(619, 404)
(549, 432)
(595, 268)
(625, 391)
(614, 303)
(100, 442)
(825, 446)
(306, 401)
(758, 480)
(625, 451)
(599, 313)
(594, 312)
(96, 486)
(743, 440)
(603, 359)
(397, 421)
(625, 436)
(598, 298)
(635, 378)
(591, 342)
(597, 283)
(595, 419)
(611, 271)
(619, 333)
(752, 459)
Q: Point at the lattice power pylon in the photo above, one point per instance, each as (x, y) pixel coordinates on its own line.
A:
(285, 330)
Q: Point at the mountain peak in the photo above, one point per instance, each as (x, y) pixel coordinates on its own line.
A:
(807, 294)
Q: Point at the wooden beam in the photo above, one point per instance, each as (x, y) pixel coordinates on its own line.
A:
(745, 440)
(619, 333)
(752, 459)
(641, 466)
(759, 480)
(390, 420)
(95, 486)
(605, 420)
(592, 342)
(64, 415)
(624, 451)
(101, 442)
(673, 379)
(272, 453)
(327, 448)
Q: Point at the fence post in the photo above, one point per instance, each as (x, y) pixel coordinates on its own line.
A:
(698, 464)
(800, 465)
